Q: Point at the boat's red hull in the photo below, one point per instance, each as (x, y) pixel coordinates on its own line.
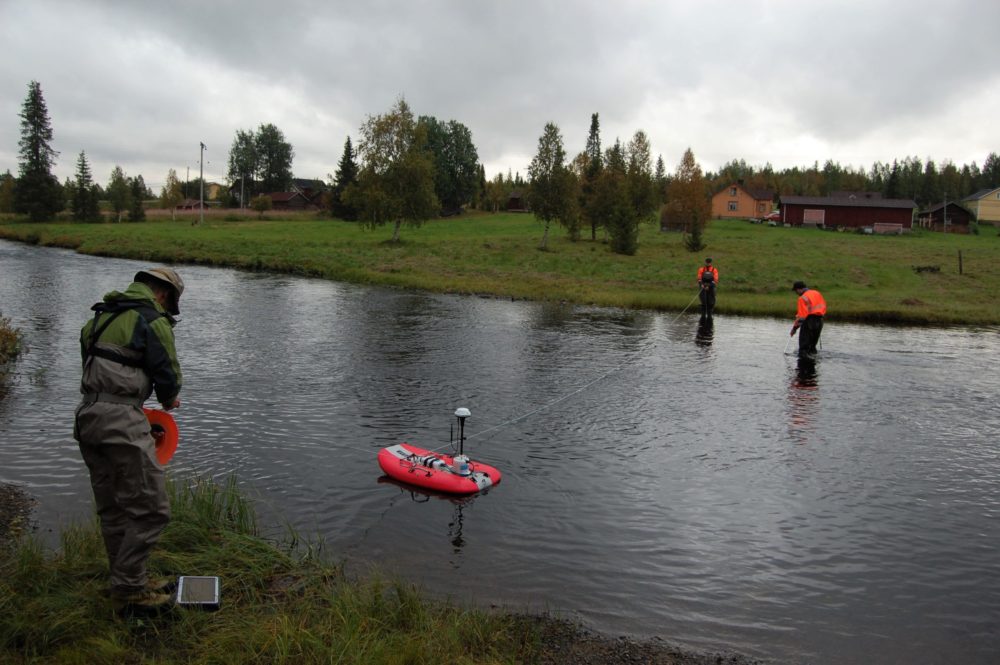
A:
(424, 468)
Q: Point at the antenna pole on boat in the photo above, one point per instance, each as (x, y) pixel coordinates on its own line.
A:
(461, 413)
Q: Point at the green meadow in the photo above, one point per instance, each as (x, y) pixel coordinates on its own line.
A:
(918, 278)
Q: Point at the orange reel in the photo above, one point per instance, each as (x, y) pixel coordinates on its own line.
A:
(165, 433)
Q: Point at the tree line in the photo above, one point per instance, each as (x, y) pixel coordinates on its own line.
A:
(925, 182)
(406, 169)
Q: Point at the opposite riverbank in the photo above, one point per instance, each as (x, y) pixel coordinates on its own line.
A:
(922, 278)
(279, 604)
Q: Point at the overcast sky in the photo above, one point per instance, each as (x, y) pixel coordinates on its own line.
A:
(139, 84)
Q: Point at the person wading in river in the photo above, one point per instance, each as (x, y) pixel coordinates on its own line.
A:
(708, 278)
(128, 353)
(809, 317)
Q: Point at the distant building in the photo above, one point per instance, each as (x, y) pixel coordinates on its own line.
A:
(848, 212)
(289, 201)
(517, 201)
(311, 189)
(948, 218)
(190, 204)
(742, 202)
(984, 205)
(847, 194)
(213, 190)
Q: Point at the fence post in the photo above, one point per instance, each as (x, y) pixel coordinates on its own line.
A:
(959, 262)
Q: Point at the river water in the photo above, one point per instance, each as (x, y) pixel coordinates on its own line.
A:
(660, 478)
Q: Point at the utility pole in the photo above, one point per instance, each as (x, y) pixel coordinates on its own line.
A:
(201, 177)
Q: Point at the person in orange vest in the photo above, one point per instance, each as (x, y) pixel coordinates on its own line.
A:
(809, 317)
(708, 278)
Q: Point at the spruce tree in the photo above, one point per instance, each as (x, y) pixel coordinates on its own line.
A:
(660, 180)
(37, 193)
(611, 201)
(7, 192)
(592, 175)
(85, 197)
(347, 173)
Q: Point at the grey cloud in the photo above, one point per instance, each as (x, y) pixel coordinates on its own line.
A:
(716, 76)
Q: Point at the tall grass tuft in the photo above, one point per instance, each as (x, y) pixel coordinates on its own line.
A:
(11, 340)
(11, 346)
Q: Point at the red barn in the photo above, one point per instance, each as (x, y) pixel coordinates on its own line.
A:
(849, 212)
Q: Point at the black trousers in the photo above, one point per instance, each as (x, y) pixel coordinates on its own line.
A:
(809, 334)
(707, 297)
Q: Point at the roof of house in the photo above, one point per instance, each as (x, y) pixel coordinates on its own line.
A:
(761, 194)
(847, 202)
(308, 183)
(847, 194)
(283, 196)
(981, 194)
(937, 207)
(755, 194)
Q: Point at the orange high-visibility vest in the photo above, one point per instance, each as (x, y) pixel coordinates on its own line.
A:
(711, 269)
(811, 303)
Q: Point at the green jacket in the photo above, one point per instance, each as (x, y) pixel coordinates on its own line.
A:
(132, 356)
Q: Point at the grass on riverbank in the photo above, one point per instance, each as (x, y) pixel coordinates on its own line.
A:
(11, 341)
(278, 605)
(864, 278)
(11, 346)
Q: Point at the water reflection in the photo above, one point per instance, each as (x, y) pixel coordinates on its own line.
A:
(803, 399)
(421, 495)
(455, 529)
(706, 331)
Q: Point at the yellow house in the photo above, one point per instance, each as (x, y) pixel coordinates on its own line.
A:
(985, 205)
(213, 190)
(738, 201)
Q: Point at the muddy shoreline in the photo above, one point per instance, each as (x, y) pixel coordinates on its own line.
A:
(15, 511)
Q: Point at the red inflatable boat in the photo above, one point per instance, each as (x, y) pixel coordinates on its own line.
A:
(435, 471)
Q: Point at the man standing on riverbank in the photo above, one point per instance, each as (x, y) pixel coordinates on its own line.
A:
(128, 353)
(809, 317)
(708, 277)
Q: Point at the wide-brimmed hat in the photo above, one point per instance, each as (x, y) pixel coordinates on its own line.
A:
(170, 278)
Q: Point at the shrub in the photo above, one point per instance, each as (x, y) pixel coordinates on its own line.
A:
(11, 340)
